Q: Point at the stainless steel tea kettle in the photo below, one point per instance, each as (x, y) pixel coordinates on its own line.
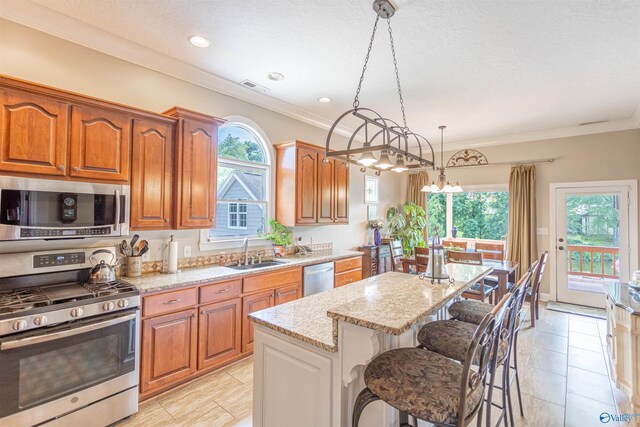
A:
(101, 272)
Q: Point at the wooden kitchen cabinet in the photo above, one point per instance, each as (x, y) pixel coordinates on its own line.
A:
(288, 293)
(347, 271)
(100, 143)
(169, 349)
(251, 303)
(196, 168)
(309, 189)
(33, 134)
(219, 333)
(152, 174)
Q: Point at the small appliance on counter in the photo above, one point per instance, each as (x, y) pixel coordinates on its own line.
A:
(69, 339)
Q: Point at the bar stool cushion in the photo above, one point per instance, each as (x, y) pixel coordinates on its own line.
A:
(470, 311)
(451, 338)
(422, 383)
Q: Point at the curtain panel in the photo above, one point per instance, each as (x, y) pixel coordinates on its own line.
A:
(522, 244)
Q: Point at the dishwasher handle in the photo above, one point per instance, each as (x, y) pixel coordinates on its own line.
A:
(314, 272)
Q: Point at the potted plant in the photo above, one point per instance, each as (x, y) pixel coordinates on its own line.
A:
(376, 226)
(407, 225)
(280, 236)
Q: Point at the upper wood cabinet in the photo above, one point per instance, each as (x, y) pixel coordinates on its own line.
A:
(196, 168)
(310, 189)
(33, 134)
(100, 144)
(152, 174)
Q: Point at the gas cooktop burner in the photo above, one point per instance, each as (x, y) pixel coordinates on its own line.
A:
(16, 300)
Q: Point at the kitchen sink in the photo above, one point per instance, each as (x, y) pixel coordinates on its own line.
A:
(252, 266)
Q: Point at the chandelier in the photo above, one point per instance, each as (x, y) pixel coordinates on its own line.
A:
(397, 147)
(442, 186)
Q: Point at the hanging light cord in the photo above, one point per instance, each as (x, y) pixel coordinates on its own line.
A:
(442, 147)
(395, 66)
(356, 101)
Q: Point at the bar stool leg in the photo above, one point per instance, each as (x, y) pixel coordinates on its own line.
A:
(515, 368)
(365, 397)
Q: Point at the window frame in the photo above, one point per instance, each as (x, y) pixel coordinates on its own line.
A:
(207, 242)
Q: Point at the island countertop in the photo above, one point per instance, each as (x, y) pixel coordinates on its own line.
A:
(624, 297)
(391, 303)
(154, 282)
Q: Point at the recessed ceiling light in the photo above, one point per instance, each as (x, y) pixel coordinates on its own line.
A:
(276, 77)
(199, 41)
(325, 99)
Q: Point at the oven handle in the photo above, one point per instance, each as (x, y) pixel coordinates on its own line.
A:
(116, 224)
(39, 339)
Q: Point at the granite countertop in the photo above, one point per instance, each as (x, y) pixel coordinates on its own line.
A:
(391, 303)
(154, 282)
(624, 296)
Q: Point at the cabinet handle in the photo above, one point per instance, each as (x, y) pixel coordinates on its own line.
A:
(222, 291)
(203, 312)
(61, 167)
(76, 169)
(166, 220)
(172, 301)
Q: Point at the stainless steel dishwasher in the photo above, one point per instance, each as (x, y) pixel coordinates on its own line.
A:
(317, 278)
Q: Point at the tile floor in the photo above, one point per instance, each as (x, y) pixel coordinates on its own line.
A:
(563, 364)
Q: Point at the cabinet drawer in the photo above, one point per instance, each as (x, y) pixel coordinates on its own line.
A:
(220, 291)
(345, 278)
(348, 264)
(272, 280)
(169, 301)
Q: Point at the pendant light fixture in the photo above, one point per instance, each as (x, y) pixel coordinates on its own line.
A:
(375, 133)
(442, 186)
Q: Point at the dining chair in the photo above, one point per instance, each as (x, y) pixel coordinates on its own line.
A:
(425, 385)
(422, 259)
(396, 253)
(491, 250)
(455, 243)
(533, 296)
(479, 291)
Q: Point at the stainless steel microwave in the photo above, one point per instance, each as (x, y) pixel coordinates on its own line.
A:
(48, 209)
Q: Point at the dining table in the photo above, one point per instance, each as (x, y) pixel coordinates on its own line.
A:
(503, 270)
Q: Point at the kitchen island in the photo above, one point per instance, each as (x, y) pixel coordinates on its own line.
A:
(310, 354)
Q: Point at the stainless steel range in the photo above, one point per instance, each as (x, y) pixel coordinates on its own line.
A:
(69, 350)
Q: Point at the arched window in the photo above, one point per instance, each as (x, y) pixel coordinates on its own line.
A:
(244, 166)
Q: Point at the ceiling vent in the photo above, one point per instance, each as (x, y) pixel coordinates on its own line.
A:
(594, 122)
(254, 86)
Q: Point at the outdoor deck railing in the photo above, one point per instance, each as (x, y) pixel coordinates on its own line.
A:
(606, 265)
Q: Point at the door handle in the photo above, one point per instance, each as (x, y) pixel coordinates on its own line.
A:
(117, 203)
(561, 248)
(561, 240)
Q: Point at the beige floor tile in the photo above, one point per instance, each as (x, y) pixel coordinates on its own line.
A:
(538, 413)
(236, 398)
(584, 412)
(241, 421)
(589, 360)
(208, 415)
(588, 328)
(550, 361)
(585, 342)
(551, 342)
(149, 414)
(242, 370)
(556, 325)
(544, 385)
(590, 385)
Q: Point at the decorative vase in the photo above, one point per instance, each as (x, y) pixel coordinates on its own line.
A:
(454, 231)
(377, 237)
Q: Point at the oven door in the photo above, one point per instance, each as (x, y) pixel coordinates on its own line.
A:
(49, 373)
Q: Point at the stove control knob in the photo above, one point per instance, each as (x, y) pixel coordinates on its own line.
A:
(77, 312)
(20, 325)
(108, 306)
(40, 321)
(123, 303)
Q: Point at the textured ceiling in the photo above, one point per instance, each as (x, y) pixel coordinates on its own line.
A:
(484, 68)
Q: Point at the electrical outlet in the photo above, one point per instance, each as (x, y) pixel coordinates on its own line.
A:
(543, 231)
(187, 251)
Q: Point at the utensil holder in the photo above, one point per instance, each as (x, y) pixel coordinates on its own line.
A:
(134, 266)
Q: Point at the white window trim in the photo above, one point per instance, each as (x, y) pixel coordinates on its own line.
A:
(206, 244)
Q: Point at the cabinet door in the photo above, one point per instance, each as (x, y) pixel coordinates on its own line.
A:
(326, 196)
(219, 333)
(151, 175)
(288, 293)
(100, 145)
(341, 191)
(198, 154)
(168, 349)
(252, 303)
(33, 134)
(306, 186)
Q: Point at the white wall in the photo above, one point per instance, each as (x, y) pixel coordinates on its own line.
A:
(35, 56)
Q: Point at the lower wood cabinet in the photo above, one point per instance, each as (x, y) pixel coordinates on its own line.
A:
(169, 346)
(347, 271)
(251, 303)
(219, 333)
(288, 293)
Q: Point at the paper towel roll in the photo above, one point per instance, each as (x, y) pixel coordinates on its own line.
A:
(172, 265)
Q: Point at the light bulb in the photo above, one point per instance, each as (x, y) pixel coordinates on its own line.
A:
(384, 162)
(399, 166)
(367, 158)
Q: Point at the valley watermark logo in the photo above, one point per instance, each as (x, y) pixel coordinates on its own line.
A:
(606, 417)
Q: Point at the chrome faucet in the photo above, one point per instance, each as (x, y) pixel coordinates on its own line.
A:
(245, 245)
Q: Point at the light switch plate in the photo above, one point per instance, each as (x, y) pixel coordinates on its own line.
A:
(187, 251)
(543, 231)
